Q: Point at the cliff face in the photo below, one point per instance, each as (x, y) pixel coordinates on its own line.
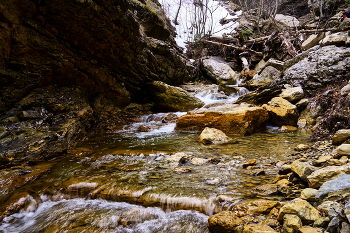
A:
(77, 60)
(107, 47)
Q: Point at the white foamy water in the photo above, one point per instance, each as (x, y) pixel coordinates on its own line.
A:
(102, 216)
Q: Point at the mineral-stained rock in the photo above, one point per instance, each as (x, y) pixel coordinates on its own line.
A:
(303, 209)
(293, 94)
(302, 169)
(318, 177)
(170, 98)
(308, 229)
(230, 118)
(291, 223)
(215, 136)
(254, 207)
(249, 163)
(309, 194)
(343, 149)
(282, 112)
(182, 169)
(224, 222)
(341, 136)
(258, 228)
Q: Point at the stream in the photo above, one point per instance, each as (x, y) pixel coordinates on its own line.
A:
(125, 181)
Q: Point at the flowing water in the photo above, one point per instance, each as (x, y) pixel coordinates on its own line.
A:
(127, 181)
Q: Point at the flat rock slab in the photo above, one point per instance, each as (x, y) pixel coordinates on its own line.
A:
(230, 118)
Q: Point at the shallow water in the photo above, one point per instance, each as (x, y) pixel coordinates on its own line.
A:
(129, 174)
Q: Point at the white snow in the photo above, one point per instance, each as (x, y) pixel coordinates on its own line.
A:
(189, 25)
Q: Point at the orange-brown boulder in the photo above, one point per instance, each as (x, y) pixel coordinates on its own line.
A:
(229, 118)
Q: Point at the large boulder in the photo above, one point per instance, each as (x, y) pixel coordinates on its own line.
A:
(291, 223)
(169, 98)
(269, 74)
(224, 222)
(282, 112)
(301, 208)
(320, 66)
(340, 183)
(219, 71)
(215, 136)
(318, 177)
(290, 21)
(230, 118)
(338, 39)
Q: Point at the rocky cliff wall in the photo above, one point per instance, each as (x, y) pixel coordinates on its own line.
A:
(67, 66)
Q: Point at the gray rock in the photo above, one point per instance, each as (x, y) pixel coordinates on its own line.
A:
(333, 225)
(269, 74)
(340, 183)
(301, 104)
(345, 227)
(330, 208)
(338, 39)
(345, 90)
(279, 65)
(290, 21)
(215, 136)
(170, 98)
(217, 69)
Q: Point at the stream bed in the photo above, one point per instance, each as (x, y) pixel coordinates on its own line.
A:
(145, 177)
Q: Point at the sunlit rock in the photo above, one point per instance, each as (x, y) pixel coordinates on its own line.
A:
(219, 71)
(318, 177)
(282, 112)
(230, 118)
(215, 136)
(293, 94)
(224, 222)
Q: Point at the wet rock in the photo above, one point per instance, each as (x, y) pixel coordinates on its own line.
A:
(343, 149)
(184, 160)
(230, 118)
(14, 204)
(334, 225)
(249, 163)
(268, 75)
(224, 222)
(170, 98)
(254, 207)
(214, 160)
(197, 161)
(309, 194)
(338, 184)
(293, 94)
(214, 181)
(322, 222)
(258, 172)
(217, 69)
(282, 112)
(182, 169)
(176, 157)
(285, 169)
(215, 136)
(338, 39)
(308, 229)
(318, 177)
(302, 147)
(170, 118)
(312, 40)
(144, 128)
(291, 223)
(302, 169)
(306, 212)
(224, 198)
(341, 136)
(258, 228)
(290, 21)
(266, 189)
(288, 128)
(136, 215)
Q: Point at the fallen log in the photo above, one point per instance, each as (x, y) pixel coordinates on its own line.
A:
(260, 54)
